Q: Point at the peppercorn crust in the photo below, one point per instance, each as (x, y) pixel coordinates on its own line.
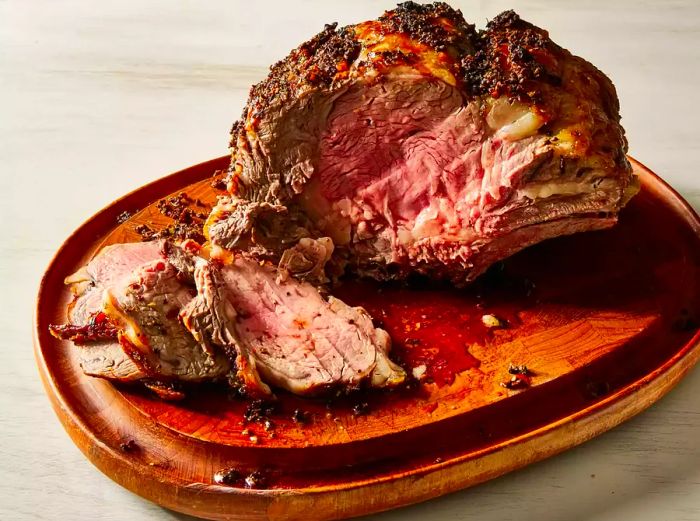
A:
(334, 55)
(509, 58)
(534, 129)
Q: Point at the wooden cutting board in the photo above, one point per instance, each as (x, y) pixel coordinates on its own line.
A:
(606, 322)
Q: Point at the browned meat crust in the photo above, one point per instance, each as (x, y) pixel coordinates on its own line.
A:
(436, 25)
(510, 57)
(326, 59)
(98, 328)
(314, 63)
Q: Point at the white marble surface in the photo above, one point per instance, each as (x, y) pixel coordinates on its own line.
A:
(98, 98)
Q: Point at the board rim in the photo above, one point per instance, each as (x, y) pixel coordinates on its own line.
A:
(623, 404)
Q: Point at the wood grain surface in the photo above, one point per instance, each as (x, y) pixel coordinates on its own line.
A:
(606, 327)
(96, 102)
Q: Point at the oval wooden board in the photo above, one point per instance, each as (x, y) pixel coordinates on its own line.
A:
(612, 327)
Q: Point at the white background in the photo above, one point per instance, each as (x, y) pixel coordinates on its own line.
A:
(98, 98)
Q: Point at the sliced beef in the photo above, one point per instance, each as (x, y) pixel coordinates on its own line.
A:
(116, 261)
(108, 360)
(111, 264)
(286, 333)
(418, 144)
(98, 327)
(210, 317)
(99, 351)
(145, 307)
(102, 355)
(160, 314)
(113, 281)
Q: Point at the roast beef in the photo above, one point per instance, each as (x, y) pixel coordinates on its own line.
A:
(156, 312)
(103, 355)
(419, 144)
(145, 307)
(285, 332)
(108, 360)
(136, 291)
(100, 352)
(209, 317)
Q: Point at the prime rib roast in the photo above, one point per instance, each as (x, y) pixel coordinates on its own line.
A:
(409, 144)
(419, 144)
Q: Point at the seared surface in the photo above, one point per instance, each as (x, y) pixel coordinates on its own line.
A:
(106, 357)
(417, 144)
(146, 306)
